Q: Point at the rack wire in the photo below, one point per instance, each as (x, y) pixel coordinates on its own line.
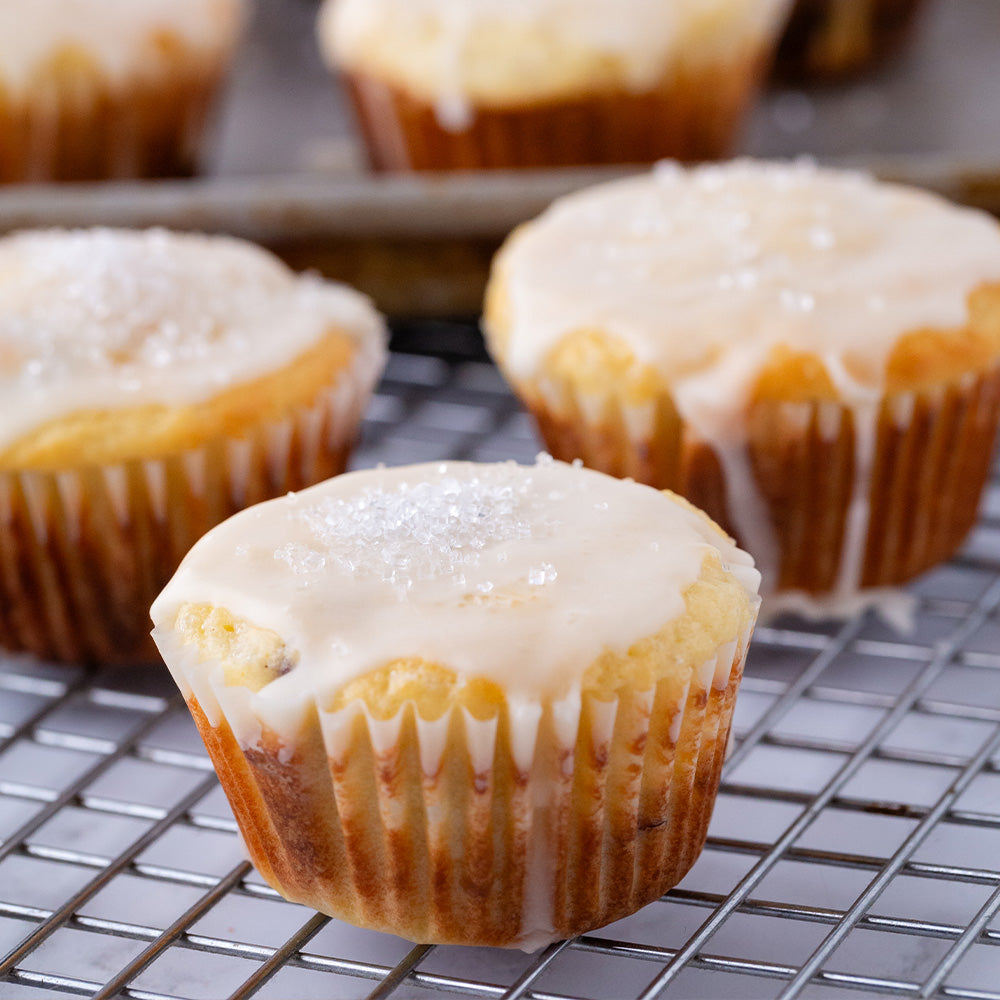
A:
(854, 849)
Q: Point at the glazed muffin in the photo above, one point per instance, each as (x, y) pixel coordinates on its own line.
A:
(98, 89)
(466, 703)
(456, 84)
(151, 384)
(809, 355)
(838, 39)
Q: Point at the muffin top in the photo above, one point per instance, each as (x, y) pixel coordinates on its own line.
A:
(116, 37)
(107, 320)
(513, 50)
(519, 578)
(705, 276)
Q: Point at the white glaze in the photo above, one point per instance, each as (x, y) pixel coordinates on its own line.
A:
(702, 272)
(107, 319)
(894, 605)
(120, 37)
(443, 51)
(522, 575)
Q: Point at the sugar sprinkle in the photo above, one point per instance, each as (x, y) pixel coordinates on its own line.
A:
(417, 532)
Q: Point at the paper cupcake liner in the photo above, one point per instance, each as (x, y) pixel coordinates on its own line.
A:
(830, 500)
(84, 552)
(75, 125)
(693, 115)
(833, 40)
(543, 822)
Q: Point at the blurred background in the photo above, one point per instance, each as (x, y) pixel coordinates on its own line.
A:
(284, 163)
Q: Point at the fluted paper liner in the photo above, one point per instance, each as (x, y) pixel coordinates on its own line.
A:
(84, 552)
(542, 822)
(851, 498)
(693, 114)
(74, 124)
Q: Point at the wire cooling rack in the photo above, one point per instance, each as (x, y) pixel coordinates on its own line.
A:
(854, 849)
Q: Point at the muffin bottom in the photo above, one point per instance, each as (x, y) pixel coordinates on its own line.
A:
(844, 500)
(77, 126)
(450, 832)
(693, 115)
(84, 552)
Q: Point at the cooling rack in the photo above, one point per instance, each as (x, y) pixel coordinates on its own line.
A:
(854, 850)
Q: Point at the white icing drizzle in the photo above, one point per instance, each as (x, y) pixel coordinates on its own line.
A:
(453, 52)
(702, 272)
(107, 319)
(709, 394)
(519, 574)
(895, 606)
(858, 506)
(120, 37)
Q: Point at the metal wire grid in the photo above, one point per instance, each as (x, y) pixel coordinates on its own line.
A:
(854, 850)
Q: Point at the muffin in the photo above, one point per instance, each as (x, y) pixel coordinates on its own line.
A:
(151, 384)
(440, 84)
(97, 89)
(808, 355)
(830, 40)
(466, 703)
